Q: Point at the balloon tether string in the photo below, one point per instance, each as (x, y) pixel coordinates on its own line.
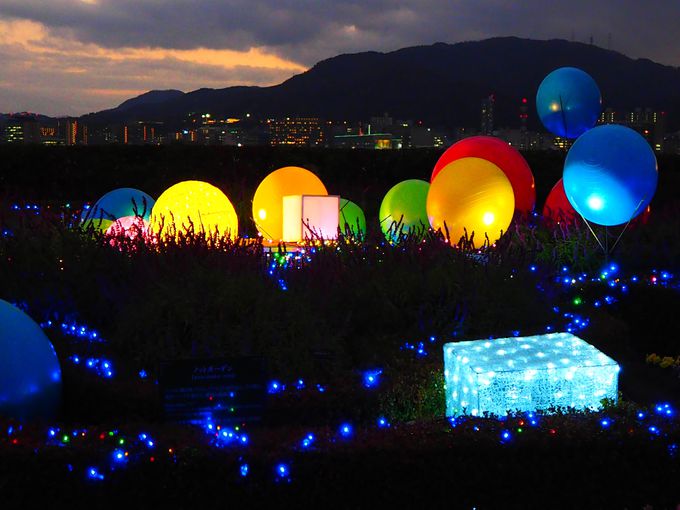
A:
(594, 234)
(628, 223)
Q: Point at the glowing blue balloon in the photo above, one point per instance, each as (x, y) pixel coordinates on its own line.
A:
(120, 203)
(30, 375)
(610, 175)
(568, 102)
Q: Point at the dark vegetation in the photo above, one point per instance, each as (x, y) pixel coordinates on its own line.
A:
(347, 309)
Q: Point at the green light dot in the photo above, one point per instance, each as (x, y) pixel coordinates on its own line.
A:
(121, 441)
(577, 301)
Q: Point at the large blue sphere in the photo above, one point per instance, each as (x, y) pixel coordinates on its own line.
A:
(30, 375)
(568, 102)
(120, 203)
(610, 175)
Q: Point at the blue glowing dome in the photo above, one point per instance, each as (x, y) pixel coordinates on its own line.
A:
(30, 375)
(610, 175)
(120, 203)
(568, 102)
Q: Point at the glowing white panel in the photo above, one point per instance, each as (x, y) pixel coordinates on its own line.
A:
(526, 374)
(310, 217)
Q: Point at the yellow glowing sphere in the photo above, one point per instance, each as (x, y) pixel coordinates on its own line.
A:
(471, 194)
(194, 203)
(268, 199)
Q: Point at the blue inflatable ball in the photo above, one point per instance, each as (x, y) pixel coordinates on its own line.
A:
(120, 203)
(610, 175)
(568, 102)
(30, 375)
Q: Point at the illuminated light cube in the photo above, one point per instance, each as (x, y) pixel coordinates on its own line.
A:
(310, 217)
(526, 374)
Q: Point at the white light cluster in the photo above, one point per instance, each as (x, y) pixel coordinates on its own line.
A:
(526, 374)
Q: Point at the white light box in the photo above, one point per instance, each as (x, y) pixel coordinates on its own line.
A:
(526, 374)
(310, 217)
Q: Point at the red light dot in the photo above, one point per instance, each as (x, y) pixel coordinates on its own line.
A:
(553, 432)
(152, 459)
(15, 441)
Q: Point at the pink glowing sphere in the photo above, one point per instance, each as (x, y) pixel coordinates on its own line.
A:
(128, 226)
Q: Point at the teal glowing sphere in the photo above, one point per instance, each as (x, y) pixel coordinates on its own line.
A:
(116, 204)
(610, 175)
(568, 102)
(30, 374)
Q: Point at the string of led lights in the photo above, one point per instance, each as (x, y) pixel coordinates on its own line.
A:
(127, 449)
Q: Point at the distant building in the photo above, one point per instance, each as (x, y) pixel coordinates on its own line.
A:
(22, 129)
(651, 124)
(49, 135)
(422, 136)
(487, 115)
(71, 131)
(384, 124)
(523, 140)
(608, 116)
(300, 131)
(368, 141)
(147, 132)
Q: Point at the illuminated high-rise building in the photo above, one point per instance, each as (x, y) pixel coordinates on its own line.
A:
(300, 131)
(22, 128)
(651, 124)
(71, 131)
(608, 116)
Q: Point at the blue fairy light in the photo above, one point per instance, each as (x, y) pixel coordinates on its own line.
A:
(371, 378)
(307, 441)
(94, 474)
(119, 456)
(346, 430)
(274, 387)
(282, 471)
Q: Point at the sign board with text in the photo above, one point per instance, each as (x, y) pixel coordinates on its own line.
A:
(222, 390)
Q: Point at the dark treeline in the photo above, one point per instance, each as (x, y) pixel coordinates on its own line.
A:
(79, 174)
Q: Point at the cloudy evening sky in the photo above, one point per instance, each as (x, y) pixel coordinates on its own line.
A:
(75, 56)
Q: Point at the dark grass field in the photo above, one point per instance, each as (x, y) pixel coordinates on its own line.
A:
(347, 309)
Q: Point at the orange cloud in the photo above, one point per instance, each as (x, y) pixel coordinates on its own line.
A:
(39, 61)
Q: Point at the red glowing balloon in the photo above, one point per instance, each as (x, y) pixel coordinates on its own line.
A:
(557, 207)
(504, 157)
